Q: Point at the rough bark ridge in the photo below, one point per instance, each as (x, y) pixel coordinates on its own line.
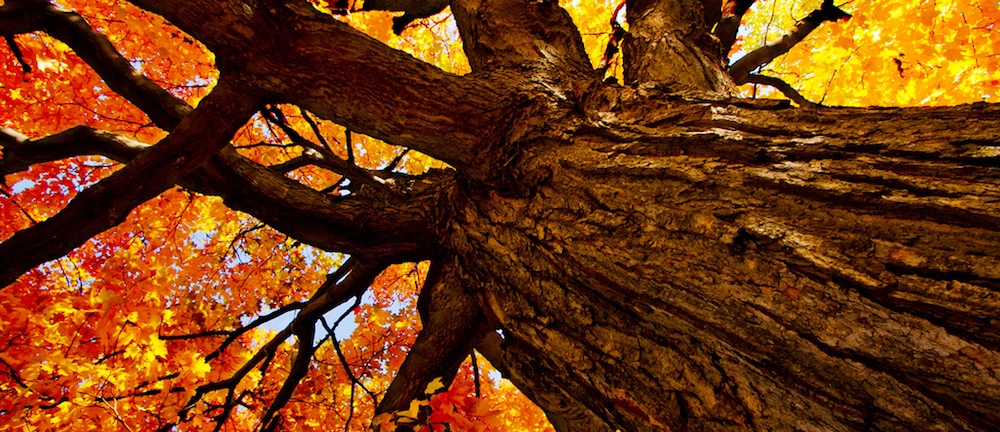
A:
(659, 256)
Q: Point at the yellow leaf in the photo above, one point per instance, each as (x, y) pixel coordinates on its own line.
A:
(168, 317)
(434, 386)
(414, 411)
(198, 366)
(45, 65)
(384, 422)
(158, 348)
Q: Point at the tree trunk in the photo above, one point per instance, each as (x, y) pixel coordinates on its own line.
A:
(650, 260)
(696, 265)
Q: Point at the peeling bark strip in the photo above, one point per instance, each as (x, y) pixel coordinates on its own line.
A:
(655, 260)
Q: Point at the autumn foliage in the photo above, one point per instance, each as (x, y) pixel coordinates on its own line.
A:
(165, 318)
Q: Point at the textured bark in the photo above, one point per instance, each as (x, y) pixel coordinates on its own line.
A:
(704, 266)
(517, 34)
(654, 260)
(669, 42)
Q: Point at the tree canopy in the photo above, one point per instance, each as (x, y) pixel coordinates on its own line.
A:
(216, 215)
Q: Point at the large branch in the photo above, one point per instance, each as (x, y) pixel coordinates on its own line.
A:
(368, 223)
(729, 23)
(740, 70)
(27, 16)
(20, 152)
(199, 136)
(349, 225)
(351, 79)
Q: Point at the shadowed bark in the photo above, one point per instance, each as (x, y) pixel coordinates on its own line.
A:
(452, 324)
(660, 256)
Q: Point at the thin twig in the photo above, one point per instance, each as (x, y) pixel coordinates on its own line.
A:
(322, 156)
(475, 373)
(340, 353)
(25, 67)
(315, 128)
(740, 70)
(349, 143)
(783, 87)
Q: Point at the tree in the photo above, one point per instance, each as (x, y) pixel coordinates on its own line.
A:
(656, 255)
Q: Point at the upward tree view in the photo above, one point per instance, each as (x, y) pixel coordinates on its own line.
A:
(500, 215)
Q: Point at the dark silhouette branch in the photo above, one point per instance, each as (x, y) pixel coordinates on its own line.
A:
(783, 87)
(301, 360)
(298, 211)
(338, 289)
(108, 203)
(729, 24)
(20, 152)
(264, 354)
(13, 374)
(54, 403)
(232, 335)
(319, 135)
(475, 373)
(412, 10)
(293, 164)
(322, 156)
(136, 392)
(740, 70)
(16, 50)
(349, 144)
(17, 17)
(330, 334)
